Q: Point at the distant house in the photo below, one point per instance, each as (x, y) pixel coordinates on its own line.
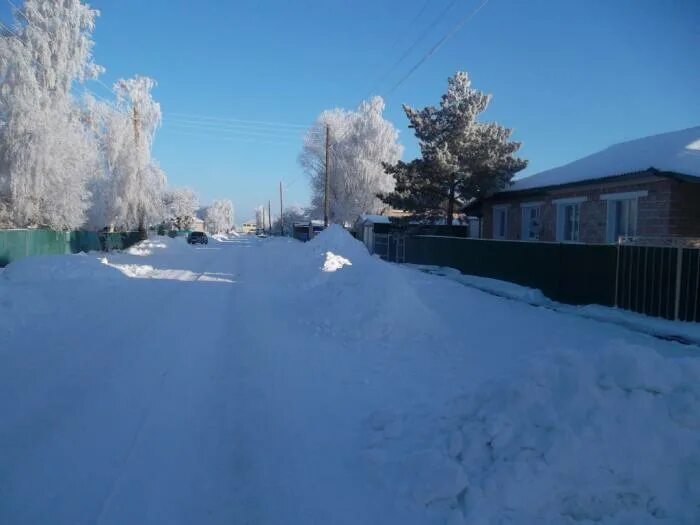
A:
(248, 227)
(197, 225)
(649, 187)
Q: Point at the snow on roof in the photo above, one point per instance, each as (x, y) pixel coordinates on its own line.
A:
(376, 219)
(676, 151)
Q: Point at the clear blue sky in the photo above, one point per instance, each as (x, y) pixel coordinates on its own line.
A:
(570, 76)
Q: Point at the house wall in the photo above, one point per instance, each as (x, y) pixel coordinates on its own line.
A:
(671, 208)
(685, 210)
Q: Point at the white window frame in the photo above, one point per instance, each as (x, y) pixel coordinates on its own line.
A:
(525, 209)
(612, 199)
(562, 204)
(496, 231)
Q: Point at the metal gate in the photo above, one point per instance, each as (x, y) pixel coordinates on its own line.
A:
(659, 277)
(390, 246)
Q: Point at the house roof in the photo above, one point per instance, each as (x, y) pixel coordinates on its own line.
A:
(675, 152)
(376, 219)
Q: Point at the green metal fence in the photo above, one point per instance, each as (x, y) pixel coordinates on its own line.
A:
(569, 273)
(15, 244)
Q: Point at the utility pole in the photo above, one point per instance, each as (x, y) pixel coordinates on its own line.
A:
(281, 213)
(325, 196)
(137, 142)
(269, 214)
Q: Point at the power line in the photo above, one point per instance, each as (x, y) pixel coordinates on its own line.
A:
(418, 40)
(233, 126)
(263, 139)
(455, 29)
(258, 133)
(258, 122)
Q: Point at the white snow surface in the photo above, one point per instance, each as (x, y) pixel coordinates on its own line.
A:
(676, 151)
(241, 383)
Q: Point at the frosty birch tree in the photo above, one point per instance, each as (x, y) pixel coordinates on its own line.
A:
(180, 207)
(462, 158)
(219, 216)
(361, 141)
(290, 215)
(47, 156)
(134, 183)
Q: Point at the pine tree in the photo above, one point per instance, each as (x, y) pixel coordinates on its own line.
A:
(462, 159)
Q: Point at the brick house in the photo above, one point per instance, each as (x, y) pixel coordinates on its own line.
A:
(648, 187)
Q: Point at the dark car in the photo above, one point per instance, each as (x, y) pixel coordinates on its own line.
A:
(197, 238)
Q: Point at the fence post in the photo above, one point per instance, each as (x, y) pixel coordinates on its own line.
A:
(617, 273)
(679, 273)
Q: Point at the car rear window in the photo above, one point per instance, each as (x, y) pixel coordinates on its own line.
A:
(197, 234)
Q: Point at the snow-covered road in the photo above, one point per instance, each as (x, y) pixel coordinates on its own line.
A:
(242, 383)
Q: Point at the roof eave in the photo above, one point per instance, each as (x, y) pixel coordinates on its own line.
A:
(612, 178)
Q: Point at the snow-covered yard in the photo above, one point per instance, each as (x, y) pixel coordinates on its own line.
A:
(271, 382)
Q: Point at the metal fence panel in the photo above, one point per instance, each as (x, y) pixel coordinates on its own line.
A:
(15, 244)
(574, 274)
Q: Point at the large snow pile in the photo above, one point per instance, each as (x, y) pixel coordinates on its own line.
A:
(612, 437)
(50, 268)
(677, 151)
(345, 292)
(336, 239)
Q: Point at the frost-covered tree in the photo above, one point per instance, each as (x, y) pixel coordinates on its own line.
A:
(260, 218)
(462, 158)
(361, 142)
(181, 206)
(290, 215)
(132, 189)
(47, 155)
(219, 216)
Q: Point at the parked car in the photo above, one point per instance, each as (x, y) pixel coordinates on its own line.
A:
(197, 238)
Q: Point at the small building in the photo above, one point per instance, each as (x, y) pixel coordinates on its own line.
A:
(248, 228)
(371, 229)
(197, 225)
(306, 230)
(649, 187)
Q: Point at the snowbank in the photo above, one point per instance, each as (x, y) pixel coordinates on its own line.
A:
(687, 331)
(337, 240)
(156, 245)
(351, 294)
(49, 268)
(612, 437)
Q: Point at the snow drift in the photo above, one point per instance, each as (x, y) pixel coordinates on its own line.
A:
(50, 268)
(612, 437)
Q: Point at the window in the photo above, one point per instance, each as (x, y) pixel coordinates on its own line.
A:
(623, 209)
(500, 222)
(622, 219)
(569, 219)
(531, 221)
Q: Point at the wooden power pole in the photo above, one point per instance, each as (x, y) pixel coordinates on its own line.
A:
(269, 215)
(325, 195)
(281, 213)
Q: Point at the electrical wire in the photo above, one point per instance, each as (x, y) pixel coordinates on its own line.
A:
(455, 29)
(242, 121)
(407, 52)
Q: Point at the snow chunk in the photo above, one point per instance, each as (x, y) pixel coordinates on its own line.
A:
(434, 477)
(334, 262)
(608, 437)
(677, 151)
